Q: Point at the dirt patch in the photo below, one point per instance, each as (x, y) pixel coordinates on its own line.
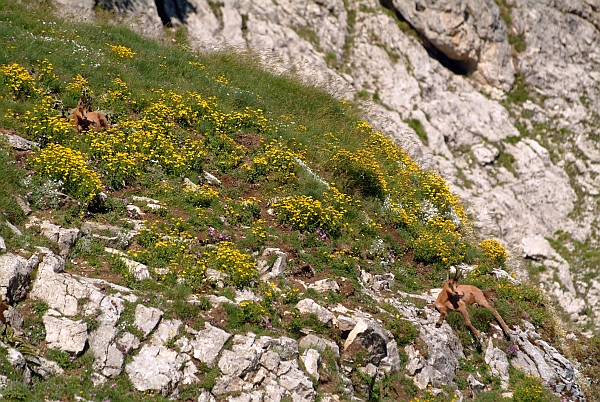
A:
(219, 317)
(393, 232)
(347, 288)
(228, 181)
(355, 353)
(21, 156)
(178, 213)
(318, 276)
(250, 141)
(303, 271)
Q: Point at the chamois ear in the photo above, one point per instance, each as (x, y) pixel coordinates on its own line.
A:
(452, 272)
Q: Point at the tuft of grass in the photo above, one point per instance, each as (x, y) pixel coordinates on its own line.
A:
(518, 42)
(507, 160)
(416, 125)
(519, 93)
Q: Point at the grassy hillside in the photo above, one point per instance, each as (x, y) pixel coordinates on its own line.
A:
(298, 170)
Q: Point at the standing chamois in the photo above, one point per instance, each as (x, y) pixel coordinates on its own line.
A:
(83, 119)
(455, 297)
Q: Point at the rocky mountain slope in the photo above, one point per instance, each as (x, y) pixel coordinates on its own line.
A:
(501, 97)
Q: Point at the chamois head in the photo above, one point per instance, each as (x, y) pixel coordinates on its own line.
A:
(452, 281)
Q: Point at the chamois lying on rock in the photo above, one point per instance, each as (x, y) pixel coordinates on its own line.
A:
(83, 119)
(455, 297)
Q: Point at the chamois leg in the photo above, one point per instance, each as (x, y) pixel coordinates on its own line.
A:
(501, 322)
(463, 311)
(488, 305)
(443, 313)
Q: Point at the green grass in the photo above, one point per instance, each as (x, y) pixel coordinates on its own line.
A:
(12, 177)
(507, 161)
(518, 42)
(519, 93)
(416, 125)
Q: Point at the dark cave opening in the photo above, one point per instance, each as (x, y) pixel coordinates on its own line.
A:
(456, 66)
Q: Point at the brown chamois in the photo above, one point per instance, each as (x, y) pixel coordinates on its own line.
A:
(83, 119)
(455, 297)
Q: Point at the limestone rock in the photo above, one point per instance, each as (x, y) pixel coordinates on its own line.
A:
(345, 323)
(108, 359)
(226, 384)
(312, 360)
(274, 270)
(287, 348)
(23, 205)
(156, 368)
(415, 361)
(145, 199)
(16, 359)
(212, 179)
(475, 385)
(65, 293)
(167, 330)
(216, 276)
(325, 285)
(208, 344)
(371, 336)
(19, 143)
(313, 341)
(474, 36)
(498, 362)
(147, 318)
(139, 270)
(238, 364)
(4, 381)
(382, 282)
(536, 247)
(309, 306)
(538, 358)
(391, 362)
(444, 351)
(485, 155)
(118, 237)
(15, 274)
(65, 238)
(44, 368)
(13, 228)
(65, 334)
(13, 317)
(297, 383)
(206, 396)
(270, 360)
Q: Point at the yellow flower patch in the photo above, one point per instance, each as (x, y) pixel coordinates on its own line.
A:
(228, 259)
(46, 124)
(69, 166)
(18, 80)
(305, 213)
(122, 52)
(494, 251)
